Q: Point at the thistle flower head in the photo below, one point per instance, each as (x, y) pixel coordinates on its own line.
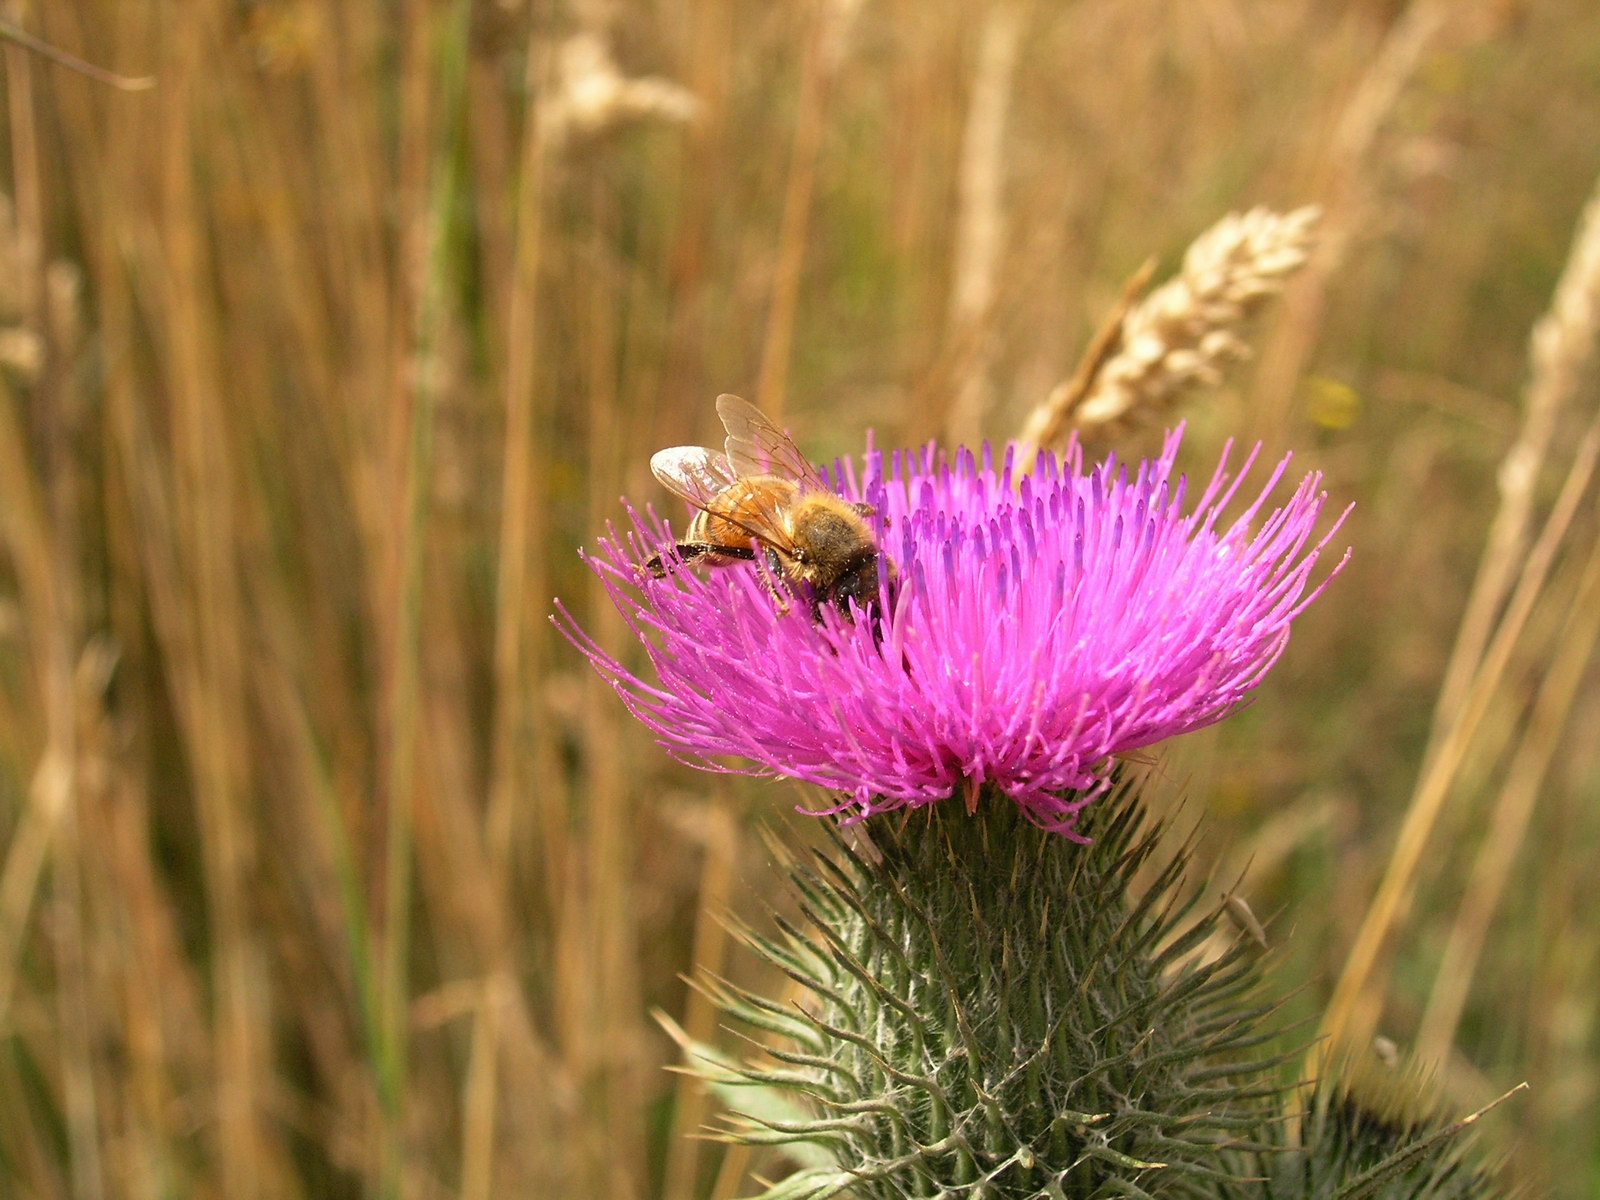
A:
(1030, 630)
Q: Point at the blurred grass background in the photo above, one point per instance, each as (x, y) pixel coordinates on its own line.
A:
(329, 871)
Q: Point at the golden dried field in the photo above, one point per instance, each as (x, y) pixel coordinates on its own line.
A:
(329, 869)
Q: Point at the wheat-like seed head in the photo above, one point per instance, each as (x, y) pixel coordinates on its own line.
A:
(1561, 353)
(593, 96)
(1185, 333)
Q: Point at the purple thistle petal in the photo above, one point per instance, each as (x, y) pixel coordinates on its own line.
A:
(1037, 628)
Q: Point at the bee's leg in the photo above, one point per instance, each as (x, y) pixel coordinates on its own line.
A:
(769, 568)
(867, 512)
(690, 551)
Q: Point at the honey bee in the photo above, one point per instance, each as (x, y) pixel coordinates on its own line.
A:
(761, 500)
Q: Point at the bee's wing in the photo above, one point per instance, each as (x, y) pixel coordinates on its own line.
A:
(758, 447)
(759, 512)
(692, 473)
(703, 476)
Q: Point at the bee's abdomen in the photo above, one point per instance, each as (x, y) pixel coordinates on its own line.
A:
(739, 514)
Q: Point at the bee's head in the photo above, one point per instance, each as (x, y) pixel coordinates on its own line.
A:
(858, 582)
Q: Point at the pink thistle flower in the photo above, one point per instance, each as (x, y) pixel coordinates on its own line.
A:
(1035, 628)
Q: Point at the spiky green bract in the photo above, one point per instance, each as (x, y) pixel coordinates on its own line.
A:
(1372, 1133)
(983, 1008)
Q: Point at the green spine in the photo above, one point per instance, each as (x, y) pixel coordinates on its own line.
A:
(989, 1009)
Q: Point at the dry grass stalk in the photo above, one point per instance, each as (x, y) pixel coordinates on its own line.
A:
(1513, 810)
(980, 221)
(55, 628)
(1562, 353)
(721, 835)
(1562, 350)
(15, 34)
(519, 573)
(1344, 178)
(823, 55)
(28, 540)
(1186, 333)
(1353, 1007)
